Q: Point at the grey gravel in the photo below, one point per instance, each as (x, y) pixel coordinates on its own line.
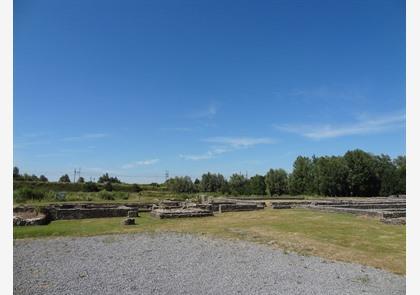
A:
(184, 264)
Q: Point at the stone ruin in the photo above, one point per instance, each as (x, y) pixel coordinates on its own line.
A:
(28, 215)
(177, 209)
(389, 210)
(24, 215)
(227, 205)
(180, 212)
(33, 216)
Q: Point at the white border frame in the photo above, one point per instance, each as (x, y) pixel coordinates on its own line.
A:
(6, 150)
(413, 146)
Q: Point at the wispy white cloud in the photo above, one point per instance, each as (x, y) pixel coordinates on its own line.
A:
(362, 125)
(86, 136)
(225, 145)
(240, 142)
(30, 139)
(197, 157)
(207, 113)
(140, 163)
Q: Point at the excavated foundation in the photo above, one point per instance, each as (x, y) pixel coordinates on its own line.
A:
(179, 213)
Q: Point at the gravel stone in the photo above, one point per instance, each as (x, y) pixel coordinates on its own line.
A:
(172, 263)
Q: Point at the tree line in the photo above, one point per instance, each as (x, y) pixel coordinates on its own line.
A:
(357, 173)
(105, 178)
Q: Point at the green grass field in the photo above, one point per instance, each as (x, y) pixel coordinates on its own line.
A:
(336, 236)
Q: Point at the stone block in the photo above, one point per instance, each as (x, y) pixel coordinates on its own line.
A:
(129, 221)
(132, 214)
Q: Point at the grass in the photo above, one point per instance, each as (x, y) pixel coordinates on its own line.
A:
(336, 236)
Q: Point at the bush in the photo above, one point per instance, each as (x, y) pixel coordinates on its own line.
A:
(121, 195)
(90, 187)
(105, 195)
(135, 188)
(108, 186)
(25, 194)
(60, 196)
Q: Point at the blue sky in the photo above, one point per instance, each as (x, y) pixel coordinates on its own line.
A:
(135, 88)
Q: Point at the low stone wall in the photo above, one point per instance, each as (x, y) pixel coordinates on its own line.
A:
(395, 221)
(170, 204)
(83, 213)
(383, 208)
(280, 206)
(78, 211)
(179, 213)
(374, 213)
(232, 205)
(40, 219)
(289, 204)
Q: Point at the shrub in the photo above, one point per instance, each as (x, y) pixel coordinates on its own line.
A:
(65, 178)
(90, 187)
(108, 186)
(105, 195)
(135, 188)
(60, 196)
(121, 195)
(25, 194)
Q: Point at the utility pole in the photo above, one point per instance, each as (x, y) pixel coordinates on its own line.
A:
(166, 175)
(76, 172)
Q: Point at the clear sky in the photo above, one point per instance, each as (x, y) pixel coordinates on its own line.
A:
(135, 88)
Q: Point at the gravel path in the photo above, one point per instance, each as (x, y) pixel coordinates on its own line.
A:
(183, 264)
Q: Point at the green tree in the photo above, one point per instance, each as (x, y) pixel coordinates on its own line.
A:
(64, 178)
(90, 186)
(81, 180)
(331, 174)
(362, 179)
(114, 180)
(180, 184)
(103, 178)
(387, 173)
(26, 177)
(225, 189)
(400, 165)
(276, 182)
(257, 185)
(33, 177)
(302, 179)
(43, 178)
(212, 182)
(16, 174)
(237, 184)
(106, 178)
